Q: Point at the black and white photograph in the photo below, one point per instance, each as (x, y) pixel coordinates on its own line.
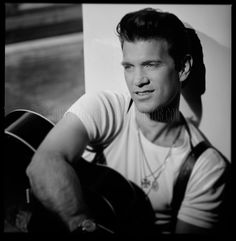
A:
(117, 120)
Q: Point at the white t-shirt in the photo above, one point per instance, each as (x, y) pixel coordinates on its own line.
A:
(108, 123)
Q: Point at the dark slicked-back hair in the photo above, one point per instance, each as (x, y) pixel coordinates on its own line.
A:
(152, 24)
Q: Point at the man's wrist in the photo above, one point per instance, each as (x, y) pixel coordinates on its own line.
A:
(87, 225)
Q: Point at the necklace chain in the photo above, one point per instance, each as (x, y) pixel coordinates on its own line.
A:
(145, 182)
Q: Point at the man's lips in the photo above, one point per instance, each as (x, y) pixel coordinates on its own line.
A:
(143, 92)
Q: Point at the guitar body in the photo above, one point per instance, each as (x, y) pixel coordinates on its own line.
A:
(118, 204)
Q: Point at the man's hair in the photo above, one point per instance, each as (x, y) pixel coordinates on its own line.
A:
(148, 24)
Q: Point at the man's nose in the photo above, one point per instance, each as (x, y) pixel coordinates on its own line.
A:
(140, 78)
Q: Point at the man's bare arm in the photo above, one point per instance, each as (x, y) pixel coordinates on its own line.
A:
(53, 180)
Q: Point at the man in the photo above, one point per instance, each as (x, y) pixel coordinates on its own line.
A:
(142, 134)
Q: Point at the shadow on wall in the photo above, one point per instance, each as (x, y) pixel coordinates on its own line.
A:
(207, 90)
(194, 86)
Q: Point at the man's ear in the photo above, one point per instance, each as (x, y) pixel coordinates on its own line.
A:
(186, 68)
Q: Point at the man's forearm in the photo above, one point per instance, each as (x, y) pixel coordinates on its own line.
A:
(55, 183)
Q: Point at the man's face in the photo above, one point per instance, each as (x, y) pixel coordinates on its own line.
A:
(150, 74)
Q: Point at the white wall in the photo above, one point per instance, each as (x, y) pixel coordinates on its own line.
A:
(102, 55)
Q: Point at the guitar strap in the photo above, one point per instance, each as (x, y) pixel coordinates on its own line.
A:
(184, 175)
(130, 103)
(185, 171)
(99, 157)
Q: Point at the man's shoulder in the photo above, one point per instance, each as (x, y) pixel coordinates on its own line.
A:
(212, 154)
(103, 98)
(196, 133)
(121, 96)
(112, 99)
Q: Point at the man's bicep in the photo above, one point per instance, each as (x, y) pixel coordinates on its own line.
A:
(68, 138)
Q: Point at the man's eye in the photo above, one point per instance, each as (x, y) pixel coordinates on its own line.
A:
(151, 65)
(128, 67)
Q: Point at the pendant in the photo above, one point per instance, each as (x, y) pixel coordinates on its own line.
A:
(155, 185)
(145, 183)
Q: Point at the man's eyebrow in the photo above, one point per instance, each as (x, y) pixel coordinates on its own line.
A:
(125, 63)
(152, 61)
(144, 62)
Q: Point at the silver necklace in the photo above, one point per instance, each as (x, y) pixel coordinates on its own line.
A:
(146, 183)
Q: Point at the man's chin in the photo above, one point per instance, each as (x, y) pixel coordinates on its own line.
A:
(145, 108)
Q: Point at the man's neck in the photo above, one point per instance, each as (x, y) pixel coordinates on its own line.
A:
(162, 126)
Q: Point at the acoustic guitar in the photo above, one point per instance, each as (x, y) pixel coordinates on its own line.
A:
(120, 206)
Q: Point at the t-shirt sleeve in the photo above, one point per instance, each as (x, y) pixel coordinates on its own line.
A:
(205, 191)
(102, 114)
